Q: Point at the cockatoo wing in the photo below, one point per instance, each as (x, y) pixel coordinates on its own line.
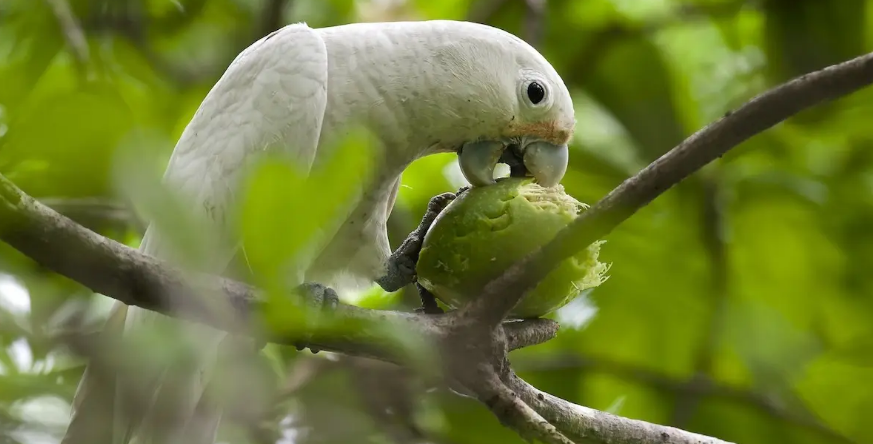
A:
(271, 100)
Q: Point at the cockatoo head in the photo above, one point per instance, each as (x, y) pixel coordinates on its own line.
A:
(517, 108)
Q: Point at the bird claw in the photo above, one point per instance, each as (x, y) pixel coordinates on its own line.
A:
(318, 298)
(429, 304)
(400, 268)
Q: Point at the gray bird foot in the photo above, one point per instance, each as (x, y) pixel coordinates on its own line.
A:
(428, 302)
(320, 299)
(400, 269)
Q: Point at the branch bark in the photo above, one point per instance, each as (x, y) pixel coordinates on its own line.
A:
(501, 295)
(707, 387)
(518, 415)
(582, 424)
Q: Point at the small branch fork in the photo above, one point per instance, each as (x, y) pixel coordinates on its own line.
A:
(472, 342)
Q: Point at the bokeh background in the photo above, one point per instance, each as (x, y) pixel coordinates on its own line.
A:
(740, 303)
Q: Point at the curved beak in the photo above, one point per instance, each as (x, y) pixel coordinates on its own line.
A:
(546, 162)
(478, 160)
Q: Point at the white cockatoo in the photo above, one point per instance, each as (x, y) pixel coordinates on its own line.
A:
(419, 87)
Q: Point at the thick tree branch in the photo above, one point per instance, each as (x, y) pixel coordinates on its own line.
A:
(125, 274)
(764, 111)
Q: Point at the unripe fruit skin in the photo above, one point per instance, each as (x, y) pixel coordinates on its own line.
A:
(487, 229)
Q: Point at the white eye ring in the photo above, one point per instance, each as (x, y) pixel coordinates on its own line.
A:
(535, 91)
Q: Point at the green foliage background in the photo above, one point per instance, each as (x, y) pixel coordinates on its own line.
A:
(739, 303)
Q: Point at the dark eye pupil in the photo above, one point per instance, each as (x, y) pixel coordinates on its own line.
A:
(535, 92)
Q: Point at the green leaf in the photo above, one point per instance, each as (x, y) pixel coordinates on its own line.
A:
(643, 104)
(303, 211)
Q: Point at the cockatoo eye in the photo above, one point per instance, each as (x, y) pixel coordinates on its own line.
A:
(536, 92)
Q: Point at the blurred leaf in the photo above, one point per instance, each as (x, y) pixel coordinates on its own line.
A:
(35, 41)
(643, 104)
(75, 132)
(839, 393)
(806, 35)
(304, 211)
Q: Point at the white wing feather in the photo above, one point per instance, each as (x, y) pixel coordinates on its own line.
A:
(271, 99)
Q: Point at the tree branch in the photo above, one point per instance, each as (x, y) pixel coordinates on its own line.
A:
(133, 278)
(125, 274)
(484, 11)
(764, 111)
(520, 334)
(706, 387)
(713, 239)
(517, 415)
(582, 424)
(534, 19)
(271, 17)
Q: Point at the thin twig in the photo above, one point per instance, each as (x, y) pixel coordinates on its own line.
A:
(72, 31)
(135, 25)
(271, 17)
(484, 11)
(716, 250)
(502, 294)
(534, 18)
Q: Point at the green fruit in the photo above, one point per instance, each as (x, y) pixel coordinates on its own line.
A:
(487, 229)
